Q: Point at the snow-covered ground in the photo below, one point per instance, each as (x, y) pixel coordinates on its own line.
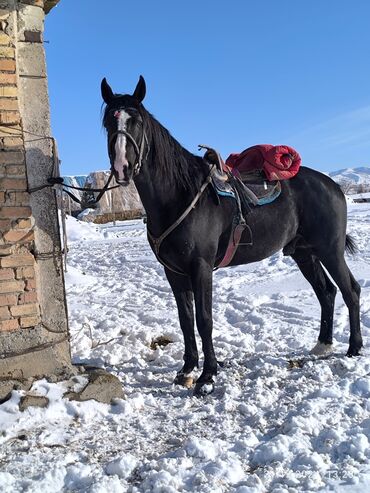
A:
(280, 420)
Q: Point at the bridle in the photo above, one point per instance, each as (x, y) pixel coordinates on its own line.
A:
(138, 148)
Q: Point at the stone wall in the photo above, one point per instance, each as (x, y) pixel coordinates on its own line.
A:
(33, 315)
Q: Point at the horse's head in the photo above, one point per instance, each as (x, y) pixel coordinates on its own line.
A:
(124, 123)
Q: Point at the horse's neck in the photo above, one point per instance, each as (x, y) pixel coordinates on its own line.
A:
(164, 200)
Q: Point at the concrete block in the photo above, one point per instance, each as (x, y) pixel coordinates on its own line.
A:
(102, 387)
(30, 18)
(29, 400)
(7, 386)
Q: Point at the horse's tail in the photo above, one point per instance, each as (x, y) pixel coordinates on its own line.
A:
(351, 246)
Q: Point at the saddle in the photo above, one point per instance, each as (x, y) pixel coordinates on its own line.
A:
(250, 184)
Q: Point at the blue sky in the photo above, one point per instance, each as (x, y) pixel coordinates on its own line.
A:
(227, 74)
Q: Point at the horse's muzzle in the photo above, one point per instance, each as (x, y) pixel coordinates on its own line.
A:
(122, 174)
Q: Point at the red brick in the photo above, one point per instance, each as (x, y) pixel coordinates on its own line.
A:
(5, 40)
(16, 212)
(25, 273)
(30, 284)
(7, 52)
(8, 299)
(11, 286)
(17, 198)
(8, 92)
(6, 274)
(5, 224)
(27, 297)
(11, 157)
(8, 79)
(17, 235)
(20, 310)
(17, 260)
(23, 224)
(8, 104)
(13, 184)
(11, 130)
(2, 197)
(10, 117)
(9, 325)
(16, 170)
(4, 313)
(29, 321)
(7, 65)
(5, 250)
(11, 143)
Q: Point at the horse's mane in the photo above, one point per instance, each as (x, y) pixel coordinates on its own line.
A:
(173, 163)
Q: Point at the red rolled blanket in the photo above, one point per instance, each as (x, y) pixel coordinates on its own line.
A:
(278, 162)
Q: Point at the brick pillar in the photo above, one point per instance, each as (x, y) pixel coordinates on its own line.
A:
(18, 296)
(33, 317)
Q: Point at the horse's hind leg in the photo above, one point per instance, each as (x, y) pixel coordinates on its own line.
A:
(325, 291)
(350, 290)
(182, 290)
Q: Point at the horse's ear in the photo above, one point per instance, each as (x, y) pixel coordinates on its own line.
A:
(106, 91)
(140, 89)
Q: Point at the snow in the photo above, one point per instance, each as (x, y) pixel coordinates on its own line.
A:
(279, 420)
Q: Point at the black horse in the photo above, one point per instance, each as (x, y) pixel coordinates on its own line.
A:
(309, 216)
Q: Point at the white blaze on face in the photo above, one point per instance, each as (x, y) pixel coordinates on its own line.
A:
(120, 162)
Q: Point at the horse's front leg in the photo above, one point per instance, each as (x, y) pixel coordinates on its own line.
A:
(182, 290)
(201, 278)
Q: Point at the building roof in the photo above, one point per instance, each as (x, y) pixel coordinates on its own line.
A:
(49, 4)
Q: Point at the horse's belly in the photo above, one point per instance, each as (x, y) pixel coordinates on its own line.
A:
(269, 230)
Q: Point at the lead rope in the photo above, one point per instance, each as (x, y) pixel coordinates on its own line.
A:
(56, 173)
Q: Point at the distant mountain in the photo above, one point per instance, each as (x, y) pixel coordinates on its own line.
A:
(357, 176)
(118, 200)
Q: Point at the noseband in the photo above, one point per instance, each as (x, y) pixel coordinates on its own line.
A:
(139, 149)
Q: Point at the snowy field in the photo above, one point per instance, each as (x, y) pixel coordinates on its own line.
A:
(280, 420)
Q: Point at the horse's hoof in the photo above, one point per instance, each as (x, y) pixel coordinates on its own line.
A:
(320, 349)
(203, 389)
(185, 380)
(353, 352)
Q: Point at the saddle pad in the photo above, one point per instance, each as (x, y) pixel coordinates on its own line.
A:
(260, 193)
(222, 187)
